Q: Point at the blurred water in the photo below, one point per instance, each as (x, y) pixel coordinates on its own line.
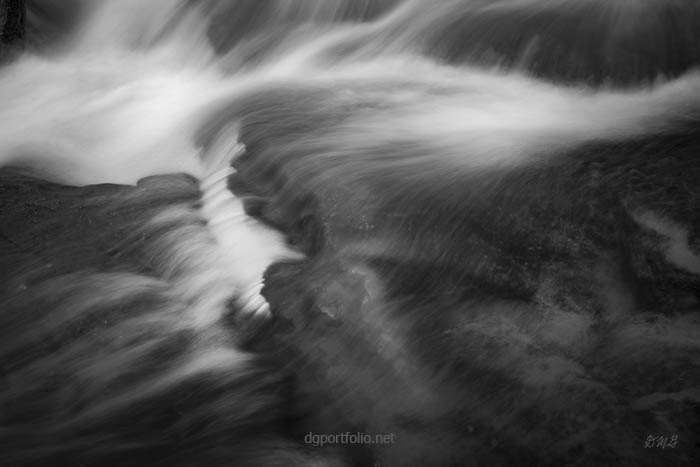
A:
(486, 210)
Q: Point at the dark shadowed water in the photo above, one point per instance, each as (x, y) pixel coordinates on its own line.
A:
(234, 232)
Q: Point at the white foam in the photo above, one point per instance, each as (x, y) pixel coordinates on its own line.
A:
(243, 241)
(676, 246)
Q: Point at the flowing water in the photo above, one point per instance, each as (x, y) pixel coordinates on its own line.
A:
(229, 226)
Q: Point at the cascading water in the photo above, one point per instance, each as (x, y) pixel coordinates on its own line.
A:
(232, 226)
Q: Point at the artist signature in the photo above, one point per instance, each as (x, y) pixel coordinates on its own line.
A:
(661, 442)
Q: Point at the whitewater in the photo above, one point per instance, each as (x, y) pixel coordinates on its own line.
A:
(227, 224)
